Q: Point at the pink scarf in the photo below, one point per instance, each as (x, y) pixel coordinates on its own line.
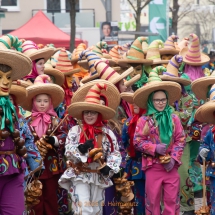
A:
(41, 120)
(34, 72)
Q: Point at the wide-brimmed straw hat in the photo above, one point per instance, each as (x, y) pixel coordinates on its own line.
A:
(57, 74)
(184, 43)
(172, 71)
(128, 97)
(132, 80)
(153, 52)
(169, 46)
(200, 86)
(141, 95)
(135, 54)
(114, 53)
(107, 73)
(30, 49)
(18, 89)
(41, 87)
(192, 55)
(75, 56)
(54, 58)
(198, 115)
(92, 100)
(64, 64)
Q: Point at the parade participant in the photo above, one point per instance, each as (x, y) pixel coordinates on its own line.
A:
(42, 97)
(134, 165)
(38, 57)
(160, 137)
(193, 60)
(85, 178)
(205, 114)
(14, 65)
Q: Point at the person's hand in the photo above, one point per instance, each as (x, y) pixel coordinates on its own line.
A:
(50, 140)
(161, 149)
(204, 153)
(105, 170)
(169, 166)
(83, 148)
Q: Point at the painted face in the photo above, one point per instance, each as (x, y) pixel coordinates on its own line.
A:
(5, 83)
(159, 100)
(106, 30)
(42, 102)
(166, 57)
(137, 70)
(122, 87)
(90, 117)
(40, 66)
(136, 109)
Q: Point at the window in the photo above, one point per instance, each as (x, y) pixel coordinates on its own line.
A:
(53, 6)
(68, 6)
(11, 5)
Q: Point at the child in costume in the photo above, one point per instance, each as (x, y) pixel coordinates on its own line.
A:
(160, 137)
(49, 138)
(91, 148)
(13, 66)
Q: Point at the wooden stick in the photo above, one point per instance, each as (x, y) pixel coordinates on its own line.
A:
(79, 123)
(35, 170)
(204, 184)
(59, 124)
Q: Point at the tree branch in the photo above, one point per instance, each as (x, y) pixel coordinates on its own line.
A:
(129, 1)
(146, 3)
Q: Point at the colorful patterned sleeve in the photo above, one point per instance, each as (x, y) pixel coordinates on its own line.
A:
(142, 142)
(114, 158)
(179, 140)
(72, 142)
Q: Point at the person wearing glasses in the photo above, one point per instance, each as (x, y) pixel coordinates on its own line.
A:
(160, 137)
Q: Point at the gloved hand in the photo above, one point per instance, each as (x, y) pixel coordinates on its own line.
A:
(50, 140)
(105, 170)
(83, 148)
(38, 173)
(161, 149)
(119, 174)
(170, 165)
(204, 153)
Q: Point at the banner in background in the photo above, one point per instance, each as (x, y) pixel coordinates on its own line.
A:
(158, 22)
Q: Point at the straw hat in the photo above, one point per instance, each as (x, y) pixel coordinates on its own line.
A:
(135, 54)
(30, 49)
(90, 78)
(125, 48)
(169, 46)
(81, 47)
(114, 52)
(132, 80)
(172, 71)
(64, 64)
(18, 89)
(41, 87)
(54, 58)
(184, 43)
(192, 55)
(107, 73)
(57, 74)
(198, 115)
(92, 100)
(200, 86)
(155, 83)
(145, 46)
(97, 49)
(128, 97)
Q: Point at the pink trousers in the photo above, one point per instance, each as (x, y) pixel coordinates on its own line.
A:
(164, 185)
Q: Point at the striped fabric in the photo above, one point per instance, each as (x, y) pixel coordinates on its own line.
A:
(114, 52)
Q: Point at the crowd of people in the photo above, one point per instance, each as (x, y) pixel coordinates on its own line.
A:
(123, 131)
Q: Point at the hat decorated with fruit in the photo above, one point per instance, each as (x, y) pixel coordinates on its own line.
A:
(155, 83)
(88, 96)
(172, 71)
(169, 46)
(20, 64)
(192, 55)
(135, 54)
(42, 85)
(153, 52)
(109, 74)
(31, 49)
(64, 64)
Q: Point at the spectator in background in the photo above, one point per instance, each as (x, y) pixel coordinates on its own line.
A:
(204, 47)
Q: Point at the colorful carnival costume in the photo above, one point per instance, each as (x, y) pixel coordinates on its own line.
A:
(89, 174)
(155, 131)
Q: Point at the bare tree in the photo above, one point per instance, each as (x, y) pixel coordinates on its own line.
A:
(138, 6)
(72, 4)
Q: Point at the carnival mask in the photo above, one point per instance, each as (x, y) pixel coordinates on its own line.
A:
(5, 83)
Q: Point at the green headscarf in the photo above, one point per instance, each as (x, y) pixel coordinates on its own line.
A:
(8, 109)
(163, 119)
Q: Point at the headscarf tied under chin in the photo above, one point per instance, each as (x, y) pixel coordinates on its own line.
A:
(41, 120)
(163, 119)
(34, 72)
